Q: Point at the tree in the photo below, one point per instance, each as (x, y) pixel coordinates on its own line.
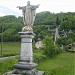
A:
(57, 21)
(42, 22)
(49, 48)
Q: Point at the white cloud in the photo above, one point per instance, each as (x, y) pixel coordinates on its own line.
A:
(45, 5)
(2, 14)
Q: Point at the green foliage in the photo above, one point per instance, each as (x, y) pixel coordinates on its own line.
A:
(43, 18)
(39, 58)
(12, 25)
(68, 21)
(62, 40)
(57, 21)
(65, 41)
(49, 48)
(11, 34)
(40, 31)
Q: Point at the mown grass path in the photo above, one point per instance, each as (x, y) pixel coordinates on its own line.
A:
(5, 58)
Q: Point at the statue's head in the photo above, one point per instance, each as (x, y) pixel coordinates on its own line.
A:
(28, 3)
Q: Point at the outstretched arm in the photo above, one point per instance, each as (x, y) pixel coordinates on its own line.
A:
(36, 6)
(21, 7)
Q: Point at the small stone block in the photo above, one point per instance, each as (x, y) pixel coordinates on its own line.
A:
(40, 73)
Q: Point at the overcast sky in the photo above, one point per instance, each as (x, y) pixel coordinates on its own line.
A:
(55, 6)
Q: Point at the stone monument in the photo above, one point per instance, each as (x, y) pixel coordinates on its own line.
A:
(25, 65)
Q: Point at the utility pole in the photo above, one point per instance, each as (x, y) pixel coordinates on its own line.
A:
(2, 39)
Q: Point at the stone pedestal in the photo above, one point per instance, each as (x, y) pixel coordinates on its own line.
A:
(26, 65)
(26, 53)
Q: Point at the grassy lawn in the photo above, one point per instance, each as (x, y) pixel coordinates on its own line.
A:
(7, 65)
(10, 48)
(62, 64)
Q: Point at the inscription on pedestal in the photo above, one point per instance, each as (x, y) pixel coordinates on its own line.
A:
(26, 47)
(26, 51)
(26, 40)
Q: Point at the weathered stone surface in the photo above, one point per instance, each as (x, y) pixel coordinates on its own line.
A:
(40, 73)
(29, 13)
(25, 66)
(26, 46)
(14, 72)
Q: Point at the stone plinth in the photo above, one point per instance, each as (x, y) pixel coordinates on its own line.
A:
(26, 65)
(14, 72)
(26, 53)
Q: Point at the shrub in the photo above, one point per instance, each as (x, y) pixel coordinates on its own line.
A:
(39, 58)
(49, 48)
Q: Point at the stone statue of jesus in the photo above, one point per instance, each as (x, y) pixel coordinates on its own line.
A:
(29, 13)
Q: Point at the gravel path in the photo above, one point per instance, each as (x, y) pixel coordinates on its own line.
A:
(4, 58)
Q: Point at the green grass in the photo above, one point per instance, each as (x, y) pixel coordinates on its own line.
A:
(10, 48)
(7, 65)
(62, 64)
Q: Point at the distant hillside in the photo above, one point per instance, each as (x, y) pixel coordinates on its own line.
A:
(12, 25)
(48, 18)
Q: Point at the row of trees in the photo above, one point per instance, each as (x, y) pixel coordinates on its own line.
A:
(11, 25)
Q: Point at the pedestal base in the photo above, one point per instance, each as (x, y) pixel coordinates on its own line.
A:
(27, 69)
(14, 73)
(25, 66)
